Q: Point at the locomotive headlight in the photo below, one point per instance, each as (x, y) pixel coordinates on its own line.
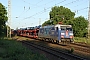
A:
(71, 34)
(62, 33)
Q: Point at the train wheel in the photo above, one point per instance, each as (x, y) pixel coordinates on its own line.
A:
(52, 41)
(64, 41)
(57, 41)
(71, 41)
(67, 41)
(44, 39)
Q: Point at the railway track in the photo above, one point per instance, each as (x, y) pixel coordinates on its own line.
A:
(81, 44)
(85, 50)
(60, 54)
(80, 47)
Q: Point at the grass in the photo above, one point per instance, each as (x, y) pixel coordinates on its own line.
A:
(82, 40)
(12, 50)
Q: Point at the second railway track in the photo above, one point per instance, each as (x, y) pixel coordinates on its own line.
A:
(79, 47)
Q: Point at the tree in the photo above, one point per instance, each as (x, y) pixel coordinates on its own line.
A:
(59, 14)
(80, 25)
(47, 23)
(62, 14)
(3, 19)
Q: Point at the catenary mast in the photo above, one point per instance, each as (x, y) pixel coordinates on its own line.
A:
(9, 19)
(89, 20)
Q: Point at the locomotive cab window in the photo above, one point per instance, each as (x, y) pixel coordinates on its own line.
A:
(42, 30)
(69, 29)
(52, 28)
(63, 28)
(56, 28)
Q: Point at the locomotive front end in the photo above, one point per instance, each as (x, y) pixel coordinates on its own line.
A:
(66, 33)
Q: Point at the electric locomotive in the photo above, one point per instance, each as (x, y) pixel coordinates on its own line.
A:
(56, 33)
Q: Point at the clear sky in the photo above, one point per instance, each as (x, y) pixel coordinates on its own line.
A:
(26, 13)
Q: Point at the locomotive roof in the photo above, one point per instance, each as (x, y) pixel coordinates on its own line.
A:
(63, 25)
(57, 25)
(49, 26)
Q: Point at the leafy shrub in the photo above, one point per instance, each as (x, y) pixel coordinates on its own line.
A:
(71, 50)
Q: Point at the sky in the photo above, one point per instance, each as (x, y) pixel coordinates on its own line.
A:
(27, 13)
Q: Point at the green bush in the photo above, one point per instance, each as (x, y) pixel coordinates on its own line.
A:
(82, 40)
(71, 50)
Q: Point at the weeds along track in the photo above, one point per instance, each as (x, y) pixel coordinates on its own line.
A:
(58, 53)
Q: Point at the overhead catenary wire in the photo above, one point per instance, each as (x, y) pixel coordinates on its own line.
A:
(30, 7)
(46, 3)
(78, 9)
(72, 2)
(51, 6)
(42, 10)
(28, 3)
(57, 3)
(39, 2)
(36, 6)
(47, 9)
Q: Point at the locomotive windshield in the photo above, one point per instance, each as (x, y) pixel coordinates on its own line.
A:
(69, 29)
(66, 28)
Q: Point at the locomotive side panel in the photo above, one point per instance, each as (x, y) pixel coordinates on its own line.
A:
(48, 33)
(57, 33)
